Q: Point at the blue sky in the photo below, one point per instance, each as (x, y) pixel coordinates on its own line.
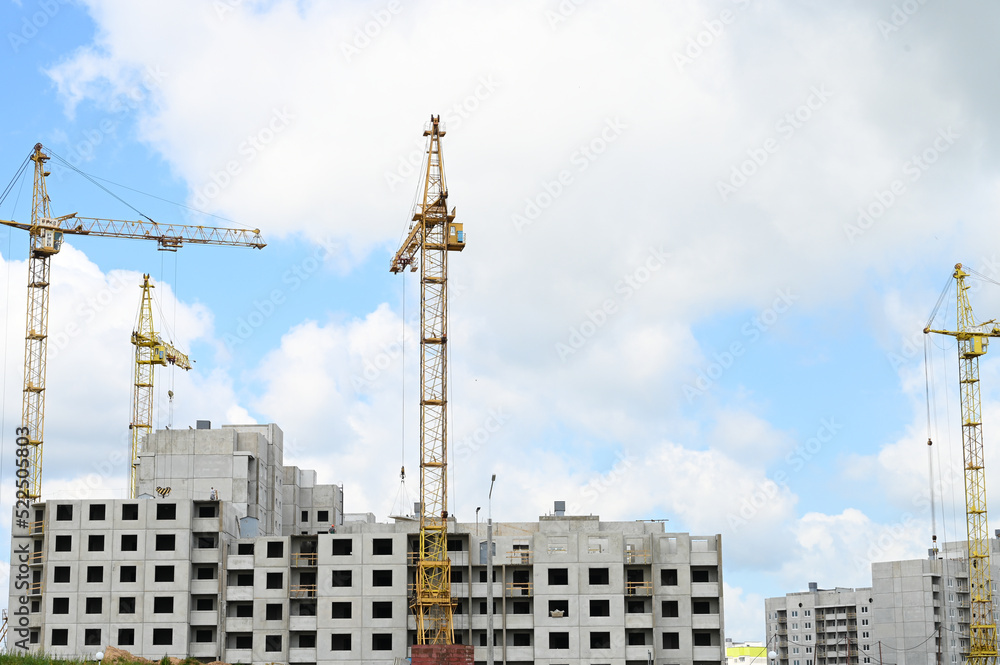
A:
(703, 239)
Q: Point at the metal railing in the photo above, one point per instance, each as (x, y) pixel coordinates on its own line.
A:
(633, 557)
(519, 557)
(304, 559)
(302, 591)
(518, 589)
(639, 588)
(36, 528)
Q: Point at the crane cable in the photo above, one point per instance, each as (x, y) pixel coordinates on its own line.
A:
(930, 452)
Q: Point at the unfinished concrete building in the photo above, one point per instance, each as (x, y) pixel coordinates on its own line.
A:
(253, 574)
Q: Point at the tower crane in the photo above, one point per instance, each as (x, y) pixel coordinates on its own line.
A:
(46, 237)
(972, 342)
(150, 350)
(432, 235)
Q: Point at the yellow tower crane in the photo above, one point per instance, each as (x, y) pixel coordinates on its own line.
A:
(46, 236)
(432, 235)
(150, 350)
(972, 341)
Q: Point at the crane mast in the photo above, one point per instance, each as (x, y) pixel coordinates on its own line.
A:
(150, 350)
(46, 237)
(432, 235)
(972, 342)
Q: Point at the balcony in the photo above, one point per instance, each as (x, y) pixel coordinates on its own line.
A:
(239, 625)
(638, 588)
(204, 586)
(239, 655)
(302, 591)
(36, 528)
(36, 558)
(304, 560)
(240, 562)
(239, 593)
(704, 621)
(35, 589)
(302, 655)
(206, 555)
(301, 622)
(210, 618)
(517, 589)
(204, 649)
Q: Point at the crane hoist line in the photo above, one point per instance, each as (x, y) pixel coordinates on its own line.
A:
(45, 234)
(973, 339)
(433, 233)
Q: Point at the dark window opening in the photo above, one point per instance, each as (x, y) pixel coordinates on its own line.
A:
(91, 636)
(558, 576)
(521, 607)
(600, 640)
(382, 609)
(126, 574)
(95, 573)
(60, 574)
(95, 543)
(668, 577)
(522, 639)
(64, 543)
(701, 607)
(204, 635)
(60, 637)
(130, 511)
(272, 612)
(702, 639)
(205, 573)
(559, 608)
(342, 546)
(275, 580)
(93, 606)
(637, 639)
(130, 542)
(341, 578)
(97, 512)
(205, 542)
(381, 578)
(341, 610)
(204, 604)
(599, 576)
(165, 542)
(64, 513)
(244, 548)
(163, 574)
(163, 636)
(635, 606)
(126, 605)
(381, 641)
(322, 516)
(670, 608)
(382, 546)
(275, 549)
(600, 608)
(340, 642)
(207, 511)
(671, 641)
(126, 637)
(166, 511)
(163, 605)
(60, 605)
(558, 640)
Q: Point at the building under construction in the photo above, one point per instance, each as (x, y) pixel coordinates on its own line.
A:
(227, 554)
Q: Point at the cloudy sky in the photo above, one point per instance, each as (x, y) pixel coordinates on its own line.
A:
(703, 240)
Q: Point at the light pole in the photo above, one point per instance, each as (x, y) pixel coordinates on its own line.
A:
(489, 574)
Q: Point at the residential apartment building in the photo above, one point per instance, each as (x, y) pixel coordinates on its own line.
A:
(821, 626)
(226, 576)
